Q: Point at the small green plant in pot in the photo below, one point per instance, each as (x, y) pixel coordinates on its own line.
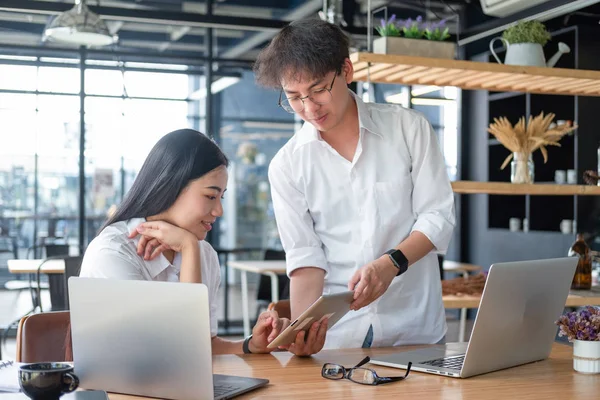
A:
(414, 37)
(527, 32)
(524, 43)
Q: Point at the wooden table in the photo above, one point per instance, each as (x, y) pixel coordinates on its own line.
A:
(464, 269)
(31, 266)
(53, 268)
(576, 298)
(296, 378)
(272, 268)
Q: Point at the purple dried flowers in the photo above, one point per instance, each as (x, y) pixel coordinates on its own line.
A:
(389, 27)
(581, 325)
(436, 31)
(412, 29)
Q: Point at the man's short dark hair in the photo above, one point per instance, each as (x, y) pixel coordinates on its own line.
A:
(308, 46)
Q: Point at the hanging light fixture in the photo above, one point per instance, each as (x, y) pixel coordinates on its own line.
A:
(79, 26)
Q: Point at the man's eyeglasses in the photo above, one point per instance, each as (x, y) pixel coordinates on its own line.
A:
(296, 104)
(364, 376)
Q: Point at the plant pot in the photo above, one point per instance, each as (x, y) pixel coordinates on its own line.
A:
(527, 54)
(586, 356)
(414, 47)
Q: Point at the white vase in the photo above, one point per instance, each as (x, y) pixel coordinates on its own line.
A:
(521, 168)
(586, 356)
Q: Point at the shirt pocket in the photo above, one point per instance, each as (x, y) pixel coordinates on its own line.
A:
(393, 200)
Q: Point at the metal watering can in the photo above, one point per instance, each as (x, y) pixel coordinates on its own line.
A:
(529, 54)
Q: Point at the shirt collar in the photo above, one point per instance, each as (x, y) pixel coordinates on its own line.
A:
(364, 116)
(308, 133)
(160, 263)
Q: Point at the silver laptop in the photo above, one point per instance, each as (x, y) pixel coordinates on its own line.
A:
(148, 339)
(514, 324)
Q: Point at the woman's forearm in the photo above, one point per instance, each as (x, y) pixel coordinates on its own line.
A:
(191, 271)
(223, 346)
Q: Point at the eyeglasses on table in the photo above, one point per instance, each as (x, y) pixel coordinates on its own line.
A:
(364, 376)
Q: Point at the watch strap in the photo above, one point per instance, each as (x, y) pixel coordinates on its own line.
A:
(246, 345)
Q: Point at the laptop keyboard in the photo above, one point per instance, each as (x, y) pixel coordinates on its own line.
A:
(455, 362)
(222, 390)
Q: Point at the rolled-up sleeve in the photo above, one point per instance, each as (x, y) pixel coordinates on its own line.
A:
(433, 199)
(302, 246)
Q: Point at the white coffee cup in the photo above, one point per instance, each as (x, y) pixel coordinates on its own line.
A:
(560, 176)
(571, 176)
(566, 226)
(514, 224)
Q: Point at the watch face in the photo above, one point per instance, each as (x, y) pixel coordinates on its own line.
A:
(401, 260)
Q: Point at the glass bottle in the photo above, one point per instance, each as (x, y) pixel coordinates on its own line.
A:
(598, 165)
(583, 274)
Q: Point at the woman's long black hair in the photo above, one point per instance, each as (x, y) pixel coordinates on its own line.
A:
(176, 159)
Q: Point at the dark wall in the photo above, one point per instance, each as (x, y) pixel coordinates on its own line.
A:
(482, 245)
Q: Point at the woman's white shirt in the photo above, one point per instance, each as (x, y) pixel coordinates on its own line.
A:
(113, 255)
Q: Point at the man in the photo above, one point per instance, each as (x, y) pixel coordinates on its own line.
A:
(361, 198)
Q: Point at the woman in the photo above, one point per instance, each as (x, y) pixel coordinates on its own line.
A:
(158, 232)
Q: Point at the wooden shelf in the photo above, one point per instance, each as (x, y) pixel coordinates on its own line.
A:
(575, 299)
(384, 68)
(536, 189)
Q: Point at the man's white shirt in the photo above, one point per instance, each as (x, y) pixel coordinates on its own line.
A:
(339, 215)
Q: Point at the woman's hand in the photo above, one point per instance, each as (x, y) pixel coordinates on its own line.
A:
(268, 326)
(158, 236)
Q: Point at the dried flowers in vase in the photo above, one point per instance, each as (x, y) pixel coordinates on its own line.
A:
(523, 140)
(580, 325)
(582, 328)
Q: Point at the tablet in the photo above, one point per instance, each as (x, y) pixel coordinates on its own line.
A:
(331, 306)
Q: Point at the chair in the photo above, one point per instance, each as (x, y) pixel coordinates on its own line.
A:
(19, 284)
(54, 250)
(59, 293)
(41, 337)
(263, 296)
(72, 268)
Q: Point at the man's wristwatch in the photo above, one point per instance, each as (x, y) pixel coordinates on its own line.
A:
(399, 259)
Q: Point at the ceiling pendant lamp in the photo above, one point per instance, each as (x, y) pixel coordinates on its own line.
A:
(79, 26)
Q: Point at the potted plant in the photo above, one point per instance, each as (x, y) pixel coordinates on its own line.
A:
(414, 38)
(582, 328)
(524, 43)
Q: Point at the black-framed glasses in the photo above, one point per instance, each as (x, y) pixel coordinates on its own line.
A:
(317, 96)
(364, 376)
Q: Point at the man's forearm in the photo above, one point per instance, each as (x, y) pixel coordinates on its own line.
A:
(306, 285)
(415, 247)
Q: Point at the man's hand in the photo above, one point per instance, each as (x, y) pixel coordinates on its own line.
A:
(309, 342)
(268, 326)
(371, 281)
